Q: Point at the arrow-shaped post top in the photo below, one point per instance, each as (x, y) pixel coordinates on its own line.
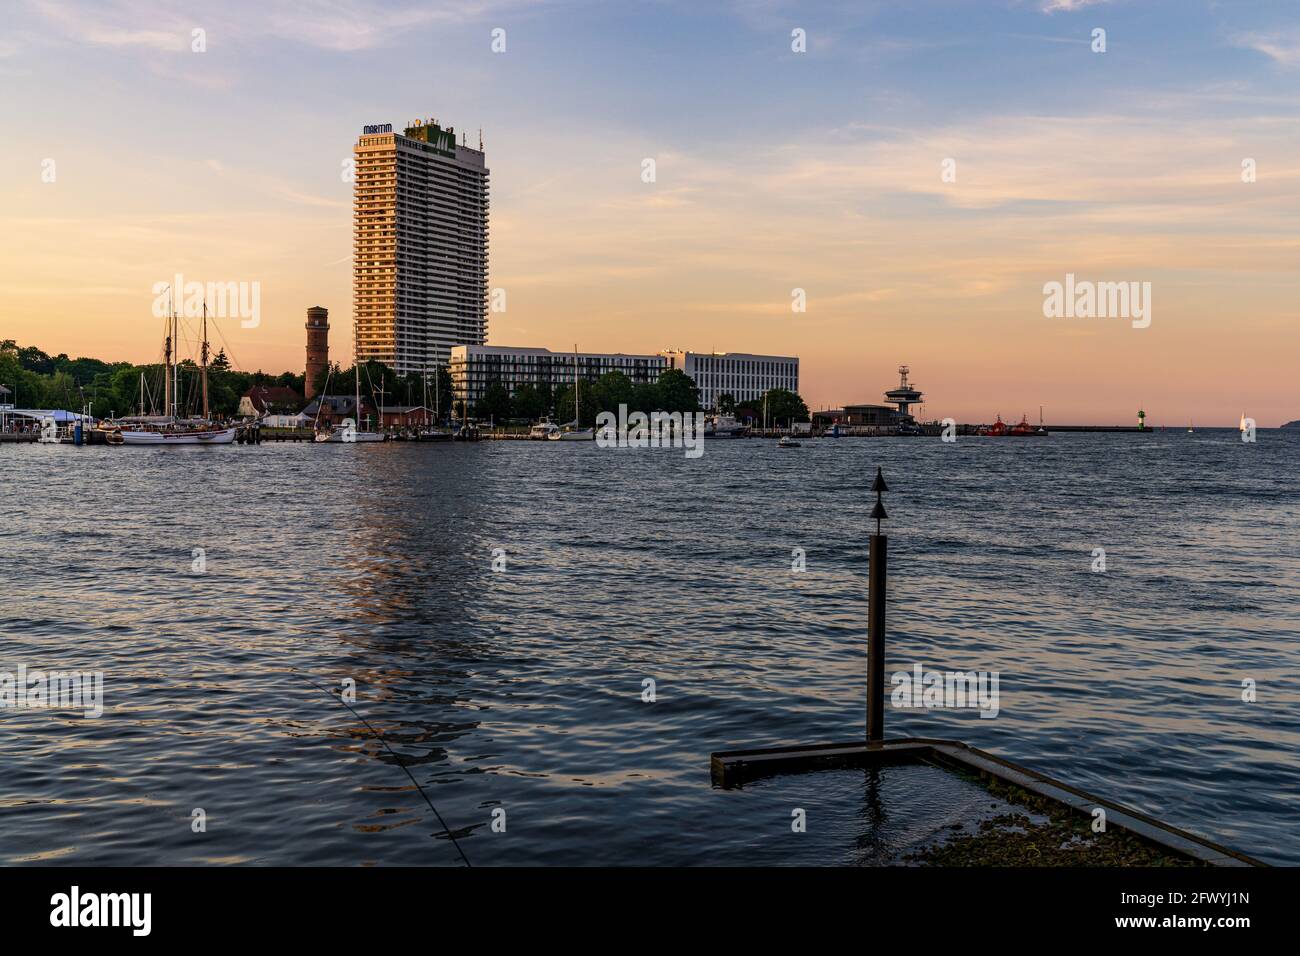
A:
(878, 486)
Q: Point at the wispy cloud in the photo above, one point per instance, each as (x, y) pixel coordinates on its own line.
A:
(121, 24)
(1054, 6)
(1280, 48)
(341, 25)
(307, 199)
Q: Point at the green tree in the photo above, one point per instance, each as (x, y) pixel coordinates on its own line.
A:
(611, 390)
(587, 405)
(27, 386)
(326, 377)
(645, 398)
(530, 402)
(495, 403)
(677, 392)
(122, 396)
(442, 390)
(34, 360)
(783, 407)
(727, 403)
(60, 390)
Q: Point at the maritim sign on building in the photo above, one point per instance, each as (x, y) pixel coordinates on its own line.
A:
(441, 140)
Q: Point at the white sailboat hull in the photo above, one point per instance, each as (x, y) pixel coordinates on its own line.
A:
(584, 434)
(210, 436)
(337, 437)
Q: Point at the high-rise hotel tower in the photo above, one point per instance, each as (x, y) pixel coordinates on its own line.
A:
(421, 235)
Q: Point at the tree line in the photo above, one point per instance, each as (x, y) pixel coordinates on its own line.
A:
(38, 380)
(674, 391)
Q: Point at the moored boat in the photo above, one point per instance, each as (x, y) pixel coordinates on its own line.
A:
(573, 434)
(996, 430)
(573, 430)
(724, 426)
(543, 430)
(178, 435)
(170, 430)
(347, 434)
(1022, 429)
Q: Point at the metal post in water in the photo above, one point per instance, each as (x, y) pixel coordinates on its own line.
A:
(876, 620)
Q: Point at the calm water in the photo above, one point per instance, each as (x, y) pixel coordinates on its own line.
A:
(521, 689)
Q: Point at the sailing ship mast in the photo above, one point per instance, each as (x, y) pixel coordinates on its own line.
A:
(175, 339)
(204, 354)
(167, 357)
(576, 418)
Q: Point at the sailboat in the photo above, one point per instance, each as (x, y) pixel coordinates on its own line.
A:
(571, 431)
(348, 433)
(171, 429)
(433, 432)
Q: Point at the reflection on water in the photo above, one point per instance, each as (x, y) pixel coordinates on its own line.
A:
(521, 690)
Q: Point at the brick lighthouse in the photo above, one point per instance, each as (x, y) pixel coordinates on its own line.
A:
(318, 347)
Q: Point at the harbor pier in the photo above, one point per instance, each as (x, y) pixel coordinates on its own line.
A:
(1125, 837)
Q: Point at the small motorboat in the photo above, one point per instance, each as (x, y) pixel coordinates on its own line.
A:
(543, 430)
(788, 442)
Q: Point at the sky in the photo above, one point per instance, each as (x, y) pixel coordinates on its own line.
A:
(921, 171)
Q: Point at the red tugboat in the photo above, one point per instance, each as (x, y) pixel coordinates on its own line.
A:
(1022, 429)
(996, 430)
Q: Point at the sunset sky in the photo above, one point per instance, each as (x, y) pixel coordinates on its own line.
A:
(776, 170)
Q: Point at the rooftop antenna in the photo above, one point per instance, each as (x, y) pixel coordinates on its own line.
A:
(480, 139)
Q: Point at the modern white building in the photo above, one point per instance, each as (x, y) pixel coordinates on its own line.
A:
(475, 367)
(739, 374)
(420, 264)
(743, 376)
